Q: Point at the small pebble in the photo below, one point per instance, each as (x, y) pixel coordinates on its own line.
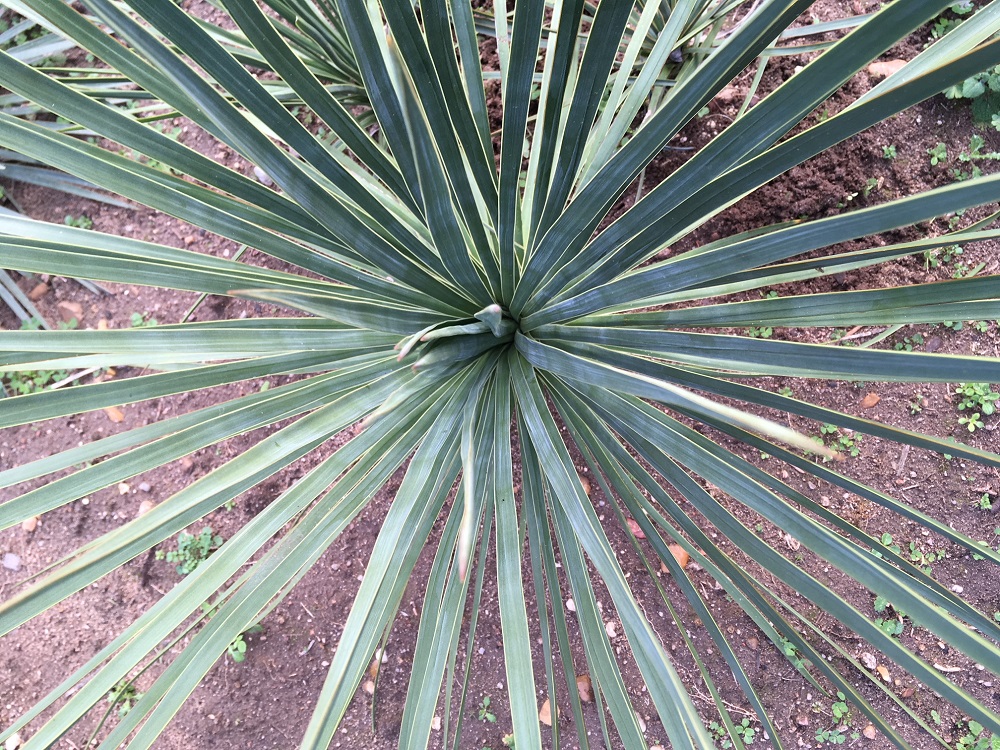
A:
(29, 524)
(144, 507)
(869, 732)
(957, 589)
(13, 742)
(123, 488)
(262, 177)
(11, 562)
(869, 661)
(571, 605)
(145, 486)
(611, 628)
(436, 723)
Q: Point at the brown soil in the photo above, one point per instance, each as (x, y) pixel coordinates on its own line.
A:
(266, 701)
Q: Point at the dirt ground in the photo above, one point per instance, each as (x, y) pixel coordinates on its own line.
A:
(266, 701)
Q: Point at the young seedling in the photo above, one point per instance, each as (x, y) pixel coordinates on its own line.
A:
(192, 550)
(938, 154)
(484, 711)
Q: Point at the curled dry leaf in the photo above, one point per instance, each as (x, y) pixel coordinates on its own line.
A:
(870, 400)
(585, 688)
(586, 484)
(882, 672)
(115, 414)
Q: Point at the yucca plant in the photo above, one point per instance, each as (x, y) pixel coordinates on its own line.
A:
(494, 334)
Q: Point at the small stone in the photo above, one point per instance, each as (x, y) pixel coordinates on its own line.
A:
(189, 239)
(187, 465)
(824, 501)
(11, 562)
(13, 742)
(792, 543)
(802, 720)
(39, 291)
(586, 484)
(870, 400)
(728, 94)
(571, 605)
(70, 310)
(752, 643)
(957, 589)
(611, 629)
(262, 177)
(869, 732)
(883, 672)
(145, 506)
(29, 524)
(642, 724)
(436, 723)
(633, 526)
(369, 687)
(908, 692)
(885, 68)
(585, 688)
(868, 660)
(145, 486)
(545, 713)
(123, 488)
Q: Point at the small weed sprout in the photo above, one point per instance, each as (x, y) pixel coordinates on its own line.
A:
(938, 154)
(124, 695)
(192, 550)
(484, 711)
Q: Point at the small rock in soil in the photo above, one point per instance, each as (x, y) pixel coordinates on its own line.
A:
(633, 526)
(882, 672)
(611, 629)
(753, 643)
(369, 687)
(585, 688)
(69, 310)
(262, 177)
(436, 723)
(13, 742)
(29, 524)
(38, 292)
(145, 486)
(870, 400)
(957, 589)
(586, 484)
(869, 661)
(571, 605)
(869, 732)
(123, 488)
(885, 68)
(145, 506)
(802, 720)
(11, 562)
